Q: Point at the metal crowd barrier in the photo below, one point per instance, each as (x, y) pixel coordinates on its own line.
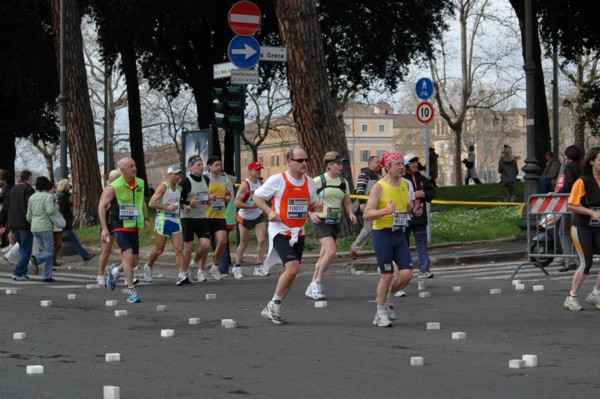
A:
(548, 222)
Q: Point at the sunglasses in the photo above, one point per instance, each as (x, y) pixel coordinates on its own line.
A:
(301, 160)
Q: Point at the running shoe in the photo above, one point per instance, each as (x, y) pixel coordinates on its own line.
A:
(182, 278)
(314, 291)
(111, 281)
(400, 293)
(259, 271)
(19, 278)
(389, 309)
(593, 300)
(382, 320)
(273, 313)
(148, 273)
(132, 296)
(101, 279)
(571, 303)
(193, 269)
(425, 275)
(237, 272)
(214, 271)
(201, 276)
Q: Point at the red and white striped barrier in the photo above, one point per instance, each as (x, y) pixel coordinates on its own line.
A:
(548, 204)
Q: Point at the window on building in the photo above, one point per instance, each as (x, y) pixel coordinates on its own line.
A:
(272, 160)
(351, 155)
(364, 128)
(381, 128)
(364, 155)
(260, 159)
(347, 128)
(277, 160)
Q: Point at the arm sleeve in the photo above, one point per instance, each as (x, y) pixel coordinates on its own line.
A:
(186, 186)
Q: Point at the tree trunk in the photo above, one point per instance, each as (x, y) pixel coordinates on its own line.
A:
(136, 139)
(80, 124)
(8, 151)
(542, 124)
(313, 106)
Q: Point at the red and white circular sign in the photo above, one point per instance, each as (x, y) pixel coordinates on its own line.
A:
(425, 112)
(244, 18)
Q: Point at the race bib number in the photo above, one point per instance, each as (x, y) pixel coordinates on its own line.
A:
(172, 214)
(218, 204)
(202, 198)
(400, 221)
(297, 208)
(128, 212)
(332, 216)
(560, 182)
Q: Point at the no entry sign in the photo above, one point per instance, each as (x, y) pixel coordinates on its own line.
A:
(244, 18)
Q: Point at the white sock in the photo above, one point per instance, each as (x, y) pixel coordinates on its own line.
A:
(596, 291)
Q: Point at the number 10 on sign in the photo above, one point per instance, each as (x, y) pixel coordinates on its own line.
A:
(425, 112)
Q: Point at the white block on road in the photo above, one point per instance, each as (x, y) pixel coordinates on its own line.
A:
(229, 323)
(516, 363)
(10, 292)
(519, 287)
(37, 369)
(320, 304)
(120, 313)
(433, 325)
(194, 320)
(161, 308)
(456, 288)
(46, 303)
(515, 282)
(111, 392)
(538, 288)
(167, 333)
(495, 291)
(459, 335)
(416, 361)
(425, 294)
(111, 302)
(530, 360)
(19, 335)
(211, 296)
(112, 357)
(421, 285)
(71, 296)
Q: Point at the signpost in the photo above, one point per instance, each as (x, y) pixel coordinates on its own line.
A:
(222, 70)
(277, 54)
(424, 88)
(425, 112)
(244, 51)
(244, 18)
(244, 76)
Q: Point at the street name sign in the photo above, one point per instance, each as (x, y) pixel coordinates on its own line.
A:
(277, 54)
(244, 76)
(222, 70)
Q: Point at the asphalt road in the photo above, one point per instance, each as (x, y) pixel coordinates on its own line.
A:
(331, 352)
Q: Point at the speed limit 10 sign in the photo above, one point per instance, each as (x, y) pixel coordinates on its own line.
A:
(425, 112)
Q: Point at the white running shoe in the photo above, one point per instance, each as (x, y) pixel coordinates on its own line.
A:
(237, 272)
(201, 276)
(400, 293)
(101, 280)
(182, 278)
(273, 313)
(382, 320)
(193, 270)
(389, 308)
(148, 273)
(259, 271)
(314, 291)
(214, 271)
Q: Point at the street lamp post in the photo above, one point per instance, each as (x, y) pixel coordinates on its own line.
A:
(531, 168)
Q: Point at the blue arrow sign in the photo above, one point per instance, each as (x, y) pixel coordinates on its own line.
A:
(244, 51)
(424, 88)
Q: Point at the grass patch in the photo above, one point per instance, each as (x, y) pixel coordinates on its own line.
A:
(450, 223)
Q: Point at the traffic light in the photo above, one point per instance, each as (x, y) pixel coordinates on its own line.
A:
(230, 102)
